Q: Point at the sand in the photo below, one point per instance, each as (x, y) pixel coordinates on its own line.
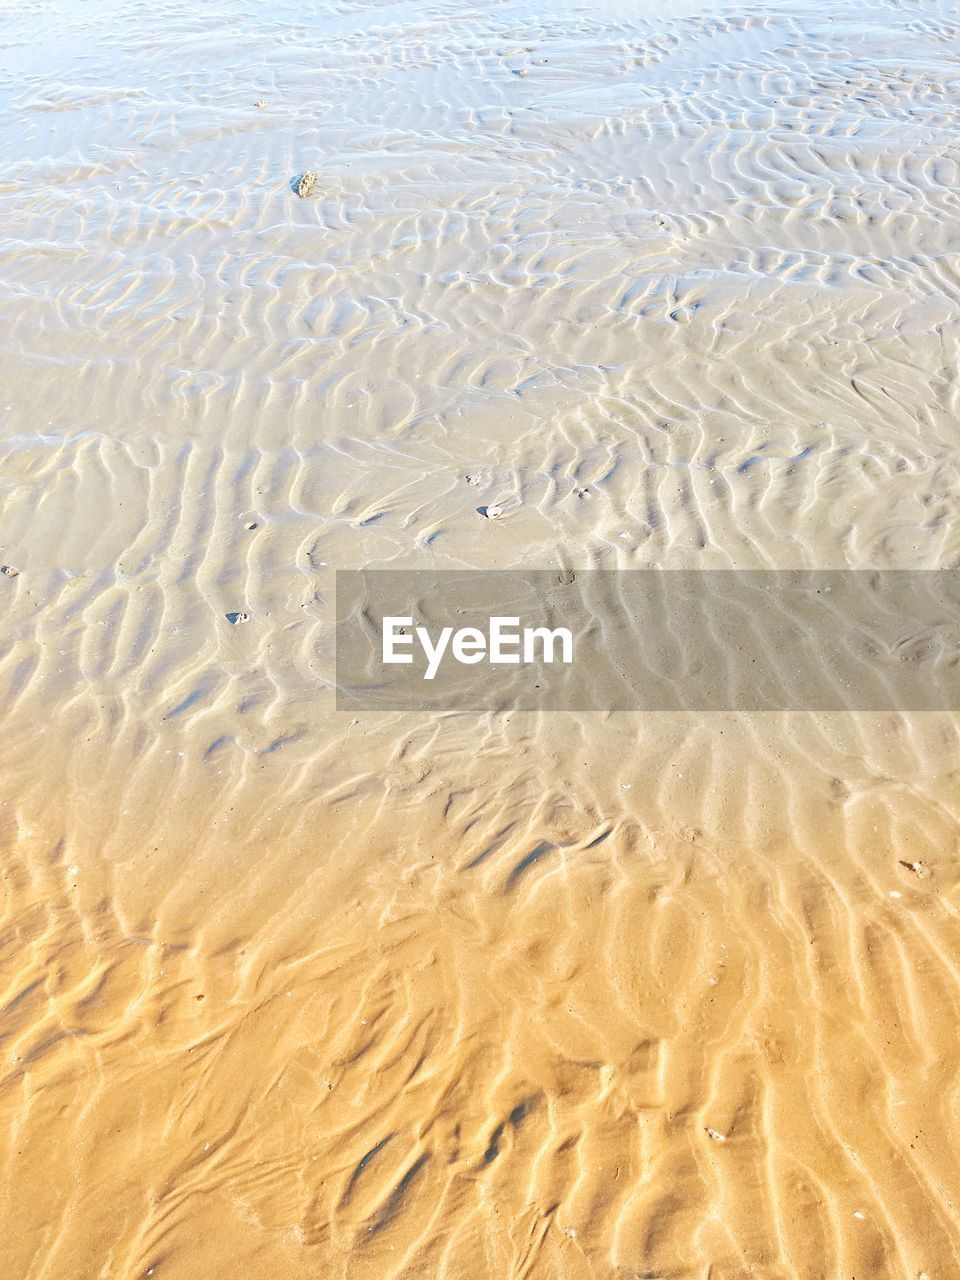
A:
(290, 992)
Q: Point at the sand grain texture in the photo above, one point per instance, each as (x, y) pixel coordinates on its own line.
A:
(290, 992)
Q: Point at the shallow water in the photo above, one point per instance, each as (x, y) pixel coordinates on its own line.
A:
(299, 992)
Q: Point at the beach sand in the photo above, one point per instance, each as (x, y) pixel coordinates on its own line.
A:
(287, 991)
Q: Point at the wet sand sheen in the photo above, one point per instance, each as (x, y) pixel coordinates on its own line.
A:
(291, 992)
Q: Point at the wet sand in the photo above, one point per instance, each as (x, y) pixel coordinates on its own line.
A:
(286, 991)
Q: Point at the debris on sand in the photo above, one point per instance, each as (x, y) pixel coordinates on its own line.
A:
(9, 571)
(306, 184)
(490, 513)
(260, 104)
(716, 1135)
(236, 618)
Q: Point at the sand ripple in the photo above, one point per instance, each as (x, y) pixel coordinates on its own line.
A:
(289, 993)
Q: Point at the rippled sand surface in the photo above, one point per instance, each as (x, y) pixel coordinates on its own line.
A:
(288, 992)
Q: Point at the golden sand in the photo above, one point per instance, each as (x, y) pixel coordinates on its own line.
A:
(287, 991)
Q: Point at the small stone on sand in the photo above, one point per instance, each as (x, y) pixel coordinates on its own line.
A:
(490, 513)
(9, 571)
(306, 184)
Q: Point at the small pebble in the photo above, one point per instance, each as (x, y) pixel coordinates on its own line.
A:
(715, 1135)
(9, 571)
(306, 184)
(251, 526)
